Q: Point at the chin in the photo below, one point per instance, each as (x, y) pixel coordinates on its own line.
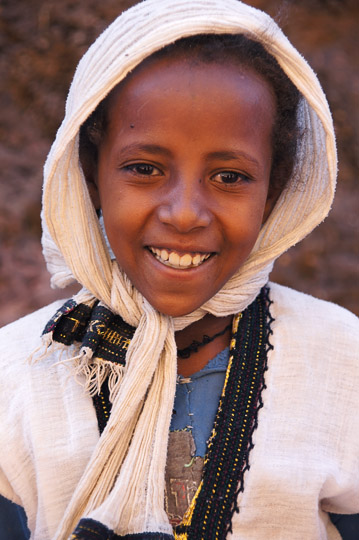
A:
(177, 312)
(175, 309)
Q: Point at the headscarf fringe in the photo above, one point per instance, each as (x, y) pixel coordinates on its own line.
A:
(46, 348)
(91, 373)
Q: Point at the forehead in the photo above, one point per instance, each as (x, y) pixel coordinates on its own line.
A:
(157, 80)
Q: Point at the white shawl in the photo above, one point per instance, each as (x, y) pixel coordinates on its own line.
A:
(126, 471)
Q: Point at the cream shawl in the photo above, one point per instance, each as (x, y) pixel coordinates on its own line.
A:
(123, 484)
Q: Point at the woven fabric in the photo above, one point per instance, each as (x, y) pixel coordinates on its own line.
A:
(75, 248)
(305, 457)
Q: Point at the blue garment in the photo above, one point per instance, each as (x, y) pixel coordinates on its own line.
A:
(197, 399)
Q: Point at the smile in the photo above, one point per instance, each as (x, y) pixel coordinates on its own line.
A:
(174, 260)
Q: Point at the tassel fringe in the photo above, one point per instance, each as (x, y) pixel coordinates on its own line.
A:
(88, 372)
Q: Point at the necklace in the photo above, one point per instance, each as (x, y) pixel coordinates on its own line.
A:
(195, 345)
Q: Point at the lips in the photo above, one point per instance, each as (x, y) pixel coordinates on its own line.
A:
(179, 261)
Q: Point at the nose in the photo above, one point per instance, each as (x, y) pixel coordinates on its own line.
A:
(185, 206)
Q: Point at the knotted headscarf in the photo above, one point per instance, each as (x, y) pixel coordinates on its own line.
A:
(123, 484)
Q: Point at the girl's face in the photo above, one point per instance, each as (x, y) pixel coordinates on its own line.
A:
(183, 175)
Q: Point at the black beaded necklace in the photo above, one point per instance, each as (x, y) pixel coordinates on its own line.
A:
(195, 345)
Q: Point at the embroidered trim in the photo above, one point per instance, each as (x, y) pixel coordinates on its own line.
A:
(104, 339)
(65, 309)
(89, 529)
(146, 536)
(103, 407)
(104, 334)
(210, 514)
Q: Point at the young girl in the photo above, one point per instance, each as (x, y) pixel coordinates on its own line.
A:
(196, 148)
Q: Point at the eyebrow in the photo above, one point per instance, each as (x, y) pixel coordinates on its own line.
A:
(230, 155)
(225, 155)
(150, 148)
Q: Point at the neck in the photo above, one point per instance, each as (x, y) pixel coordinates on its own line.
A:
(208, 325)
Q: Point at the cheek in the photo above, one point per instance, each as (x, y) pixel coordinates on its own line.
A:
(245, 220)
(120, 222)
(242, 232)
(124, 218)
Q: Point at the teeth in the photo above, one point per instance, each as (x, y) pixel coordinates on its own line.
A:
(186, 260)
(176, 261)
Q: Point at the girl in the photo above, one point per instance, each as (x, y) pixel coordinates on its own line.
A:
(197, 146)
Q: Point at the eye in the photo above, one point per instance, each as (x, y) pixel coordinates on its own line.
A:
(230, 177)
(143, 169)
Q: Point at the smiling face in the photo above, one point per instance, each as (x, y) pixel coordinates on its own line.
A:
(182, 177)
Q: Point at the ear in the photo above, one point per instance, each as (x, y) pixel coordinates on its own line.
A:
(94, 194)
(273, 195)
(89, 167)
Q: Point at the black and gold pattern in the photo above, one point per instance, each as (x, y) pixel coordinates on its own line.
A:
(210, 513)
(96, 328)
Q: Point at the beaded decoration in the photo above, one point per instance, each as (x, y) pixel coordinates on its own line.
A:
(195, 345)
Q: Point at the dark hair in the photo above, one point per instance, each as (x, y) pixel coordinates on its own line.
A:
(211, 48)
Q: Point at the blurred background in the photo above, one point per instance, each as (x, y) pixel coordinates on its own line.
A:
(41, 43)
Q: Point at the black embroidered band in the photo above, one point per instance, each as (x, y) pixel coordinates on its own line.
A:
(89, 529)
(96, 328)
(210, 513)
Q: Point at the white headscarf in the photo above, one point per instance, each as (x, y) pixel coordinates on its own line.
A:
(123, 484)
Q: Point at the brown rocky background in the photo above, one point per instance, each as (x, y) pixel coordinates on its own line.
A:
(41, 43)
